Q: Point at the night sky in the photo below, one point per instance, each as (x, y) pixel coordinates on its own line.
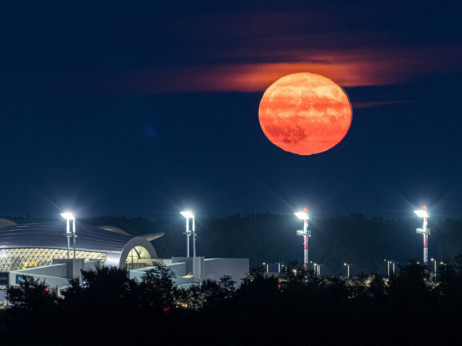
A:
(146, 108)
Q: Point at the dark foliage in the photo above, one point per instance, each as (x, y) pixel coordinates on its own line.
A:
(296, 308)
(34, 306)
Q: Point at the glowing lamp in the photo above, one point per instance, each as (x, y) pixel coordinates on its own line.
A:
(68, 215)
(421, 212)
(302, 215)
(187, 214)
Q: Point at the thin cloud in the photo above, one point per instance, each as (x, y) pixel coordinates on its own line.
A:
(360, 68)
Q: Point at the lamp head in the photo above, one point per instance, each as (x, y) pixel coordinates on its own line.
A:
(187, 214)
(421, 212)
(68, 215)
(302, 215)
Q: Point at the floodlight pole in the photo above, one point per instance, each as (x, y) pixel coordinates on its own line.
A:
(425, 231)
(194, 236)
(69, 215)
(425, 249)
(434, 265)
(348, 269)
(188, 214)
(187, 236)
(68, 236)
(73, 234)
(305, 243)
(305, 233)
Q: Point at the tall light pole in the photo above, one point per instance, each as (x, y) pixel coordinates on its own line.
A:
(303, 215)
(188, 214)
(317, 269)
(434, 265)
(423, 213)
(388, 266)
(348, 269)
(69, 215)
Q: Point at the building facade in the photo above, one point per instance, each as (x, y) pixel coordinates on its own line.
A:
(42, 251)
(38, 244)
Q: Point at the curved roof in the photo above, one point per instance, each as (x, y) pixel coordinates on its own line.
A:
(52, 235)
(114, 229)
(6, 223)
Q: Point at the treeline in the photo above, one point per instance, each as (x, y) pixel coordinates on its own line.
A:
(362, 241)
(296, 308)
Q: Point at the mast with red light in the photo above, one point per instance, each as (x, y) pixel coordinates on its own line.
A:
(425, 231)
(303, 215)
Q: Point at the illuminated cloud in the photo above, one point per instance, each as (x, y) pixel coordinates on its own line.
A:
(361, 68)
(246, 49)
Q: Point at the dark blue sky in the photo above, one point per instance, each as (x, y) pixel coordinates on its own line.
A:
(147, 108)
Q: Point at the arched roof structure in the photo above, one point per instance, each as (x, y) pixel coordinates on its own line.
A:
(111, 248)
(6, 223)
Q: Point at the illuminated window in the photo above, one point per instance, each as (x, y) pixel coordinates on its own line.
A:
(138, 257)
(14, 259)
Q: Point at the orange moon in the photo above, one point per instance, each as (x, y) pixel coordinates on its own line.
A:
(305, 113)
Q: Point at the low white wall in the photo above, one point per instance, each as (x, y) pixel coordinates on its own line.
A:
(236, 268)
(54, 270)
(178, 268)
(54, 276)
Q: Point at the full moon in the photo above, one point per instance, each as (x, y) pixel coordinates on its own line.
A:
(305, 113)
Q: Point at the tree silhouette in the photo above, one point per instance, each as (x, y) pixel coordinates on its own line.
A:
(156, 290)
(30, 295)
(292, 308)
(30, 302)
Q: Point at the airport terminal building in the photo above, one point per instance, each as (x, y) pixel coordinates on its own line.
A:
(37, 244)
(41, 250)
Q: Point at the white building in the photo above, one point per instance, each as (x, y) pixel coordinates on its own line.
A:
(40, 250)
